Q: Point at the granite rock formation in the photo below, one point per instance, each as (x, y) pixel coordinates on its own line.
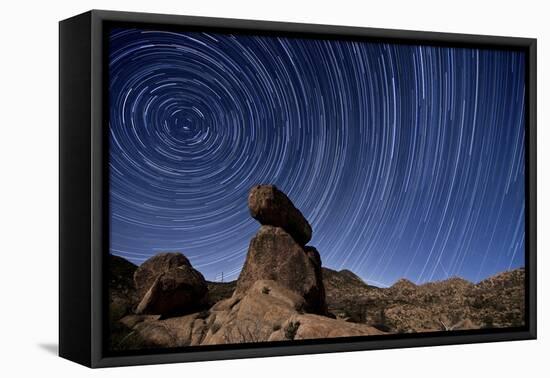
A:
(267, 312)
(277, 253)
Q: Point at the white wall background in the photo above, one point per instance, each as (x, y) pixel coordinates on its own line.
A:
(29, 186)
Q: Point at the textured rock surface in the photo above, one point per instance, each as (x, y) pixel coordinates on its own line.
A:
(269, 206)
(310, 326)
(267, 312)
(274, 255)
(152, 332)
(180, 290)
(271, 312)
(148, 272)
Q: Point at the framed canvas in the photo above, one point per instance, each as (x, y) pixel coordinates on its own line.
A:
(233, 188)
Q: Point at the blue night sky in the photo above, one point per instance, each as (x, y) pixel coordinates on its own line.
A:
(407, 160)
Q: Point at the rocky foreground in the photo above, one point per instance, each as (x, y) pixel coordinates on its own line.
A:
(283, 293)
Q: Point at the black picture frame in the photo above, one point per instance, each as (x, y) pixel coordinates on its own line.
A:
(83, 180)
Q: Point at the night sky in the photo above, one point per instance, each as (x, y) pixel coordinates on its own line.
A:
(408, 161)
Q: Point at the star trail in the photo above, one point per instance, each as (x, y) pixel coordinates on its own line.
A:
(407, 160)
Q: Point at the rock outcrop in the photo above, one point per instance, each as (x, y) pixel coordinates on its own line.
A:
(269, 206)
(168, 285)
(274, 255)
(267, 312)
(277, 251)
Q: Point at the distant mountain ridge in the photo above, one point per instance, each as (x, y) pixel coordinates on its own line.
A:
(456, 303)
(450, 304)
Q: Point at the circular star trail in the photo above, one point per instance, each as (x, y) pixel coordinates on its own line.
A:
(407, 160)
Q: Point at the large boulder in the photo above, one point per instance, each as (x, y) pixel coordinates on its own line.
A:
(275, 255)
(168, 285)
(148, 272)
(269, 206)
(177, 291)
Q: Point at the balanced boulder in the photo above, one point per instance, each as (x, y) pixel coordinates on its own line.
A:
(275, 255)
(269, 206)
